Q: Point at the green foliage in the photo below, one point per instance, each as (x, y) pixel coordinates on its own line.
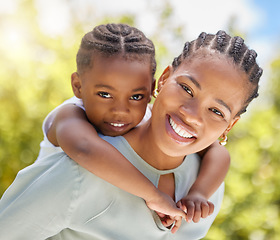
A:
(35, 77)
(30, 86)
(275, 82)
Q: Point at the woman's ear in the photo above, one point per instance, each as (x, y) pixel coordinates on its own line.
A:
(166, 73)
(230, 126)
(76, 84)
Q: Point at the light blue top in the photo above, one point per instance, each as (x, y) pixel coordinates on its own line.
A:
(56, 198)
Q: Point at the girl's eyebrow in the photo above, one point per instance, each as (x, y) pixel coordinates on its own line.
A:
(104, 86)
(111, 88)
(140, 89)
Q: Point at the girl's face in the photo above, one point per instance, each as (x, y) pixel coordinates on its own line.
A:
(115, 93)
(197, 103)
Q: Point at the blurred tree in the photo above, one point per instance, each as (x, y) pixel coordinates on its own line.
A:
(35, 71)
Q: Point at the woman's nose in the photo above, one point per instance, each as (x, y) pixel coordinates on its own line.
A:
(191, 113)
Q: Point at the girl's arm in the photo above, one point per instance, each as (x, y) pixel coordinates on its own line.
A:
(214, 167)
(79, 140)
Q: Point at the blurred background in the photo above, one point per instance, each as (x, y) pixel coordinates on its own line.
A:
(39, 40)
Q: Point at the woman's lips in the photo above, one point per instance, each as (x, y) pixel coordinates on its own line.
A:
(179, 132)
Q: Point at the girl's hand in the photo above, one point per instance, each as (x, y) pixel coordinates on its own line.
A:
(167, 210)
(168, 221)
(196, 206)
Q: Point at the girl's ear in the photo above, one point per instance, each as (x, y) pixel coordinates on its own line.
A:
(166, 73)
(230, 126)
(76, 84)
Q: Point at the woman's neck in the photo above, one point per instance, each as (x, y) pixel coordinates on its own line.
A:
(142, 141)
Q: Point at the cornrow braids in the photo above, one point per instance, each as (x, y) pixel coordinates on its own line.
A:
(232, 47)
(112, 40)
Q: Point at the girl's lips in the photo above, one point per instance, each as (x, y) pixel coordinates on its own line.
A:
(117, 126)
(179, 131)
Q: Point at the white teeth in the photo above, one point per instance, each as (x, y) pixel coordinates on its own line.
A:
(179, 130)
(117, 124)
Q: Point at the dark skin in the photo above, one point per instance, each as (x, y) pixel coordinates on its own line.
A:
(114, 107)
(72, 130)
(186, 109)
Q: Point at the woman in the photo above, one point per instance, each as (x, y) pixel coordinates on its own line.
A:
(201, 97)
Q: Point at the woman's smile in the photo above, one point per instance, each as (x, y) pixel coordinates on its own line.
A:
(179, 131)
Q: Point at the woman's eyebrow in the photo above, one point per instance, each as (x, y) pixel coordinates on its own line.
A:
(196, 83)
(224, 104)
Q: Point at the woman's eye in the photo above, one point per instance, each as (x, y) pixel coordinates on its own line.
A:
(217, 112)
(104, 94)
(187, 89)
(137, 97)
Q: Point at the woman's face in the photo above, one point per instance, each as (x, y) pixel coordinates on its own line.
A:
(197, 103)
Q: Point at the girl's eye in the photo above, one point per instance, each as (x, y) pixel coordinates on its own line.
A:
(104, 94)
(187, 89)
(217, 112)
(137, 97)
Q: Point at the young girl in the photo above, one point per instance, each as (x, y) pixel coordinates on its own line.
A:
(201, 97)
(113, 85)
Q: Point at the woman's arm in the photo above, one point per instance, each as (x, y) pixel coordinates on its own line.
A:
(79, 140)
(214, 167)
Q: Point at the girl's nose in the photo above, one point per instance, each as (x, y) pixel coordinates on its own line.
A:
(120, 107)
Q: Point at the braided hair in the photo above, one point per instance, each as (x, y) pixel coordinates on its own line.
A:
(233, 48)
(115, 40)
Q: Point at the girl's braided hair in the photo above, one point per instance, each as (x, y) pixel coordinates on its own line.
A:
(231, 47)
(115, 40)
